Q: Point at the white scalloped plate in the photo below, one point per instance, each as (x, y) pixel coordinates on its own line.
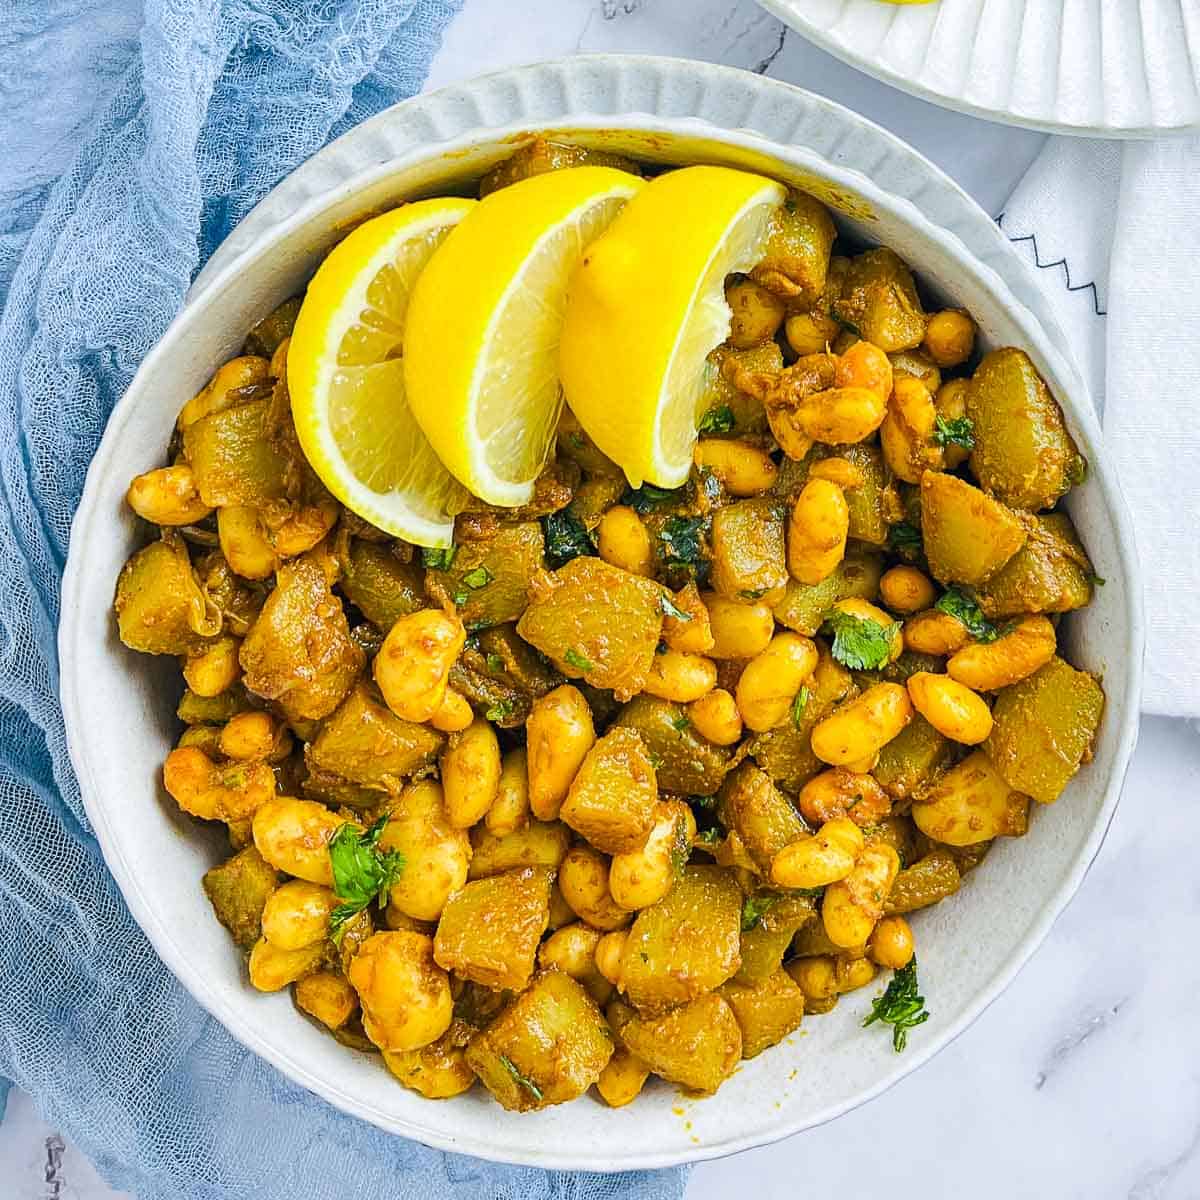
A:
(1102, 68)
(118, 705)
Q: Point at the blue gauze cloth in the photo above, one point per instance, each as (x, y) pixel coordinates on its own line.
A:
(133, 139)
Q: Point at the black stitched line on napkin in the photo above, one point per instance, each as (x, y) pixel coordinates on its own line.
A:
(1062, 262)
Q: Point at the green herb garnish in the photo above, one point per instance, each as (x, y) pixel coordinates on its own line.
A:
(718, 419)
(576, 439)
(495, 663)
(460, 597)
(752, 593)
(522, 1080)
(478, 578)
(960, 431)
(438, 559)
(956, 603)
(683, 541)
(708, 837)
(648, 497)
(799, 705)
(680, 723)
(361, 872)
(671, 609)
(905, 539)
(574, 659)
(859, 642)
(754, 907)
(501, 710)
(566, 538)
(900, 1006)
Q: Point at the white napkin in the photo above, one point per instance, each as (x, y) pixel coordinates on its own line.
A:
(1115, 231)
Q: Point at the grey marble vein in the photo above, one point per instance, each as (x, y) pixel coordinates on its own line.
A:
(1065, 1048)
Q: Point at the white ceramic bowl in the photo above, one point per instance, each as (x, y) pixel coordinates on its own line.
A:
(1097, 68)
(119, 704)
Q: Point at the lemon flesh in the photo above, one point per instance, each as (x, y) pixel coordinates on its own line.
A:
(481, 354)
(645, 307)
(346, 376)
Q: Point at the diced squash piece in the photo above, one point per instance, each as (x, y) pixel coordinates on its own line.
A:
(684, 762)
(1023, 454)
(879, 301)
(542, 155)
(238, 456)
(759, 813)
(723, 363)
(927, 881)
(795, 259)
(490, 929)
(766, 1011)
(765, 943)
(211, 710)
(238, 889)
(868, 504)
(968, 535)
(380, 585)
(548, 1046)
(597, 622)
(697, 1045)
(612, 797)
(1049, 574)
(488, 581)
(265, 337)
(1044, 728)
(538, 844)
(971, 803)
(299, 651)
(804, 606)
(160, 607)
(364, 742)
(748, 552)
(687, 943)
(910, 763)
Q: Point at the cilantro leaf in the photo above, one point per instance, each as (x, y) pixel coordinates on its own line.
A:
(680, 723)
(905, 540)
(501, 710)
(575, 659)
(648, 497)
(682, 538)
(754, 907)
(438, 559)
(960, 431)
(495, 663)
(361, 871)
(478, 578)
(956, 603)
(900, 1006)
(858, 642)
(799, 705)
(718, 419)
(522, 1080)
(566, 538)
(671, 609)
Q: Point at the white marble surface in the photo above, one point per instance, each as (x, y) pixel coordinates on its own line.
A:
(1083, 1080)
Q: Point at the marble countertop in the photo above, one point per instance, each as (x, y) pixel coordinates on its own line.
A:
(1083, 1079)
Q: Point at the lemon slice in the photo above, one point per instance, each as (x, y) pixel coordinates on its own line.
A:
(646, 306)
(346, 376)
(481, 356)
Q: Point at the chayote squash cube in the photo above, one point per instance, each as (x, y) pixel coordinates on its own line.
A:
(766, 1011)
(1049, 574)
(238, 889)
(612, 797)
(968, 535)
(752, 806)
(684, 763)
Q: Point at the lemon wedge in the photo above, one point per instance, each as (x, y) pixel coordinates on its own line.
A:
(645, 307)
(481, 352)
(346, 376)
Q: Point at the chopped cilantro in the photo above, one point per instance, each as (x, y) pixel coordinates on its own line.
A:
(576, 439)
(708, 837)
(718, 419)
(680, 723)
(755, 906)
(905, 539)
(799, 705)
(900, 1006)
(501, 710)
(460, 597)
(566, 538)
(859, 642)
(478, 578)
(673, 610)
(956, 603)
(683, 541)
(522, 1080)
(438, 559)
(648, 497)
(960, 431)
(495, 663)
(361, 871)
(575, 659)
(752, 593)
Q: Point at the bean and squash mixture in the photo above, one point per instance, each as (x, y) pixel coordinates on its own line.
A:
(629, 781)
